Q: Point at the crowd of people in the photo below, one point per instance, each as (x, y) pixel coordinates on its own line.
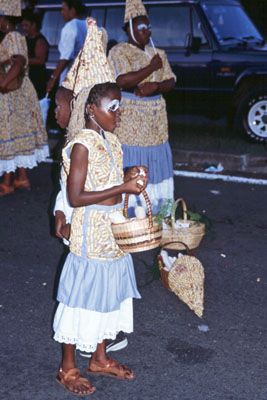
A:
(116, 143)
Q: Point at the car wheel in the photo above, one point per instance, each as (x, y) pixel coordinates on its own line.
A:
(251, 115)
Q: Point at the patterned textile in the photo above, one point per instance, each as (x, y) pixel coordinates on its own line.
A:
(133, 8)
(97, 282)
(143, 130)
(104, 171)
(91, 61)
(10, 7)
(22, 132)
(143, 120)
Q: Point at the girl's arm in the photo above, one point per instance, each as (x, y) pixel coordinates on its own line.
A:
(78, 197)
(18, 63)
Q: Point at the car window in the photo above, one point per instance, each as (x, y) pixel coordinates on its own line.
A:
(170, 25)
(230, 22)
(51, 26)
(198, 31)
(114, 24)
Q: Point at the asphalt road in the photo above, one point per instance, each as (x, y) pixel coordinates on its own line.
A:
(172, 358)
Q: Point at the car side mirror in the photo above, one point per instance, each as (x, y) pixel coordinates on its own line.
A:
(192, 42)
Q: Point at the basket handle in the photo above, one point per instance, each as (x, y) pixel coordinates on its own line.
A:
(175, 205)
(188, 252)
(148, 204)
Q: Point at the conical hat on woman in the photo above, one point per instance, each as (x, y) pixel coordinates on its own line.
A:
(133, 9)
(91, 65)
(11, 8)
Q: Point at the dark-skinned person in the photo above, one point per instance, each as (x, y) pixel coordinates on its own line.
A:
(143, 73)
(38, 48)
(23, 138)
(71, 40)
(62, 210)
(97, 283)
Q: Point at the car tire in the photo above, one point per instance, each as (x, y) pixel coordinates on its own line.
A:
(251, 114)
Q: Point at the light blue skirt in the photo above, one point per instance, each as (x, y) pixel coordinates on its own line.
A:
(97, 285)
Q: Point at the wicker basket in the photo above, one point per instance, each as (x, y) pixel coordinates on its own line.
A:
(137, 235)
(175, 238)
(163, 272)
(186, 280)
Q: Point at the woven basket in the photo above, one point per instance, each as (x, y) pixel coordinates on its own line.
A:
(186, 280)
(191, 236)
(163, 272)
(137, 235)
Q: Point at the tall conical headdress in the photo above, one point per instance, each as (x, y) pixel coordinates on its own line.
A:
(134, 8)
(11, 8)
(91, 65)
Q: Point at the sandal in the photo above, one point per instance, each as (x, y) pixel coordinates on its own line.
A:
(5, 189)
(24, 184)
(110, 368)
(72, 377)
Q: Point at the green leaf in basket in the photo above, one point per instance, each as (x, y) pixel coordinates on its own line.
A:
(194, 216)
(164, 211)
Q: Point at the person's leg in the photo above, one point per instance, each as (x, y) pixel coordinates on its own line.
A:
(69, 375)
(119, 343)
(101, 364)
(6, 186)
(22, 180)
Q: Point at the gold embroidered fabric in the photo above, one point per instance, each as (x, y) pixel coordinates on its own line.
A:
(22, 129)
(143, 121)
(126, 57)
(10, 7)
(134, 8)
(99, 240)
(91, 65)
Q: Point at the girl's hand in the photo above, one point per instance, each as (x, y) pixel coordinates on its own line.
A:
(146, 89)
(135, 185)
(133, 172)
(60, 221)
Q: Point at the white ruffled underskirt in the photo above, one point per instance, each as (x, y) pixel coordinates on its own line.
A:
(29, 161)
(86, 329)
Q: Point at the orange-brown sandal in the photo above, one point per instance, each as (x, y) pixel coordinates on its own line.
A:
(24, 184)
(5, 189)
(110, 368)
(70, 378)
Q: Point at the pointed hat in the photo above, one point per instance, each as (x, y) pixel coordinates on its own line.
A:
(91, 65)
(12, 8)
(134, 8)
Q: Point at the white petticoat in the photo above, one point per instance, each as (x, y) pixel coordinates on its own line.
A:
(20, 161)
(86, 328)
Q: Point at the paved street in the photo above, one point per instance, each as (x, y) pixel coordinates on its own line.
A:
(172, 357)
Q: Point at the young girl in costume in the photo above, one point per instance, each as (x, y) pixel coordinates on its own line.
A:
(97, 283)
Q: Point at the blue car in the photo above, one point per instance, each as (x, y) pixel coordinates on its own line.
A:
(215, 50)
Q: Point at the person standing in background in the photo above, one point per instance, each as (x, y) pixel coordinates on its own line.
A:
(38, 48)
(71, 39)
(143, 73)
(23, 138)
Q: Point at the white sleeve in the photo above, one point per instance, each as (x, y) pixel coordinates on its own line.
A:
(62, 204)
(66, 44)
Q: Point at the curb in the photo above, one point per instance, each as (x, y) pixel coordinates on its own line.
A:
(231, 162)
(201, 159)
